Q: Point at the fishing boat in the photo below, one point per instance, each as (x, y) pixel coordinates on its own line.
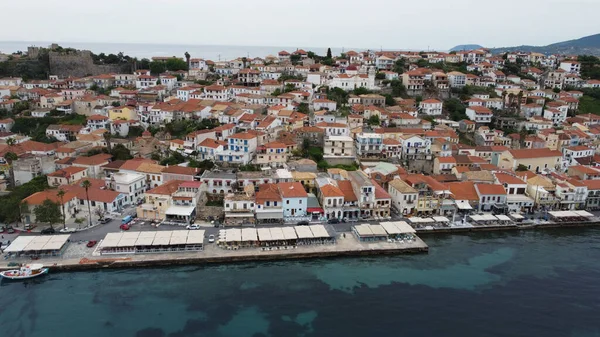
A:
(25, 272)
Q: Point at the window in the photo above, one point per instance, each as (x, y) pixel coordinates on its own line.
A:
(300, 201)
(287, 202)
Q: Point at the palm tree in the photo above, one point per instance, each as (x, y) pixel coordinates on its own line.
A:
(61, 195)
(10, 157)
(519, 99)
(504, 93)
(107, 137)
(87, 184)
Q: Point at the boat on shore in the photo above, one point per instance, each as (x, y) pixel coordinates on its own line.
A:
(25, 272)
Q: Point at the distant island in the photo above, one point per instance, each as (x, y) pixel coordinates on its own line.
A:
(466, 47)
(589, 45)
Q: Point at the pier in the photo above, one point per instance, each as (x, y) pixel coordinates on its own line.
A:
(77, 257)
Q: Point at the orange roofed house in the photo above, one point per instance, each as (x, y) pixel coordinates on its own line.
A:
(36, 199)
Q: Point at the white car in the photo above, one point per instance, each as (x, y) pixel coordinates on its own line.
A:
(67, 230)
(194, 226)
(211, 238)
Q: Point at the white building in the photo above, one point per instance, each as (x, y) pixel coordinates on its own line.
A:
(132, 185)
(479, 114)
(431, 107)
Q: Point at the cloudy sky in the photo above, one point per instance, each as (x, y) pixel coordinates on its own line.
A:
(387, 24)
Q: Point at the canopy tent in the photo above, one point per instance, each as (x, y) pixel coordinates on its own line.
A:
(319, 231)
(303, 232)
(19, 244)
(277, 234)
(516, 216)
(503, 217)
(289, 233)
(363, 230)
(378, 230)
(420, 220)
(463, 205)
(584, 214)
(249, 234)
(440, 219)
(264, 234)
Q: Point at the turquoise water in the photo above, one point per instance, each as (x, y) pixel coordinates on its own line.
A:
(496, 284)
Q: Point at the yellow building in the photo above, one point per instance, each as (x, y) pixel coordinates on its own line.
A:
(122, 112)
(307, 179)
(534, 160)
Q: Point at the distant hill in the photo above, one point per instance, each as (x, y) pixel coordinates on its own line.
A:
(589, 45)
(466, 47)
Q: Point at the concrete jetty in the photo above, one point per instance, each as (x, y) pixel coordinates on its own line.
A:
(77, 258)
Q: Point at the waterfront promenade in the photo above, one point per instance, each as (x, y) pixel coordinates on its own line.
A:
(78, 257)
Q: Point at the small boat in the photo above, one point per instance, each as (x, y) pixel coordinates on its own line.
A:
(25, 272)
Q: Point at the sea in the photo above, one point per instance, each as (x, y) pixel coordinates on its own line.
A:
(522, 283)
(139, 50)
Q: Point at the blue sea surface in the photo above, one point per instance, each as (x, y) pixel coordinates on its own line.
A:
(533, 283)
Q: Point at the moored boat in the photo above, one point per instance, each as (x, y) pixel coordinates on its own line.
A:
(25, 272)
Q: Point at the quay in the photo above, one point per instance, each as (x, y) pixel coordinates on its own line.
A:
(77, 258)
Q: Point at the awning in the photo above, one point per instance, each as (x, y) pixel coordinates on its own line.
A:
(269, 215)
(463, 204)
(180, 210)
(315, 210)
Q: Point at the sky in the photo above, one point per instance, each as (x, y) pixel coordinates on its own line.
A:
(386, 24)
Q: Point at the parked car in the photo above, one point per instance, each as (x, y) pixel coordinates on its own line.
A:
(10, 230)
(211, 238)
(333, 221)
(125, 227)
(4, 244)
(303, 223)
(105, 220)
(67, 230)
(48, 230)
(91, 243)
(194, 226)
(29, 226)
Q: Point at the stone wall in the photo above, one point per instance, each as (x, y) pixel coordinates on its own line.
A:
(81, 64)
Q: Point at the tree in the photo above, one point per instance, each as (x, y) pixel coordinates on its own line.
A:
(115, 104)
(107, 138)
(157, 67)
(61, 194)
(10, 157)
(374, 120)
(389, 100)
(303, 108)
(48, 212)
(521, 168)
(329, 53)
(100, 212)
(86, 184)
(120, 152)
(380, 76)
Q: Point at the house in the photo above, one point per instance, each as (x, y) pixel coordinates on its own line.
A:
(181, 173)
(239, 209)
(324, 104)
(491, 196)
(339, 150)
(431, 107)
(404, 197)
(269, 205)
(368, 144)
(158, 200)
(68, 202)
(92, 164)
(66, 176)
(516, 190)
(479, 114)
(6, 124)
(272, 154)
(332, 200)
(537, 161)
(122, 112)
(132, 185)
(97, 122)
(443, 165)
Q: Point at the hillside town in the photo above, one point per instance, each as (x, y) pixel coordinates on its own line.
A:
(298, 138)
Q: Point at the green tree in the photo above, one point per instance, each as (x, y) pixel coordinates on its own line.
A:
(389, 100)
(329, 53)
(61, 194)
(521, 168)
(48, 212)
(157, 67)
(86, 184)
(303, 108)
(10, 157)
(374, 120)
(120, 152)
(380, 76)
